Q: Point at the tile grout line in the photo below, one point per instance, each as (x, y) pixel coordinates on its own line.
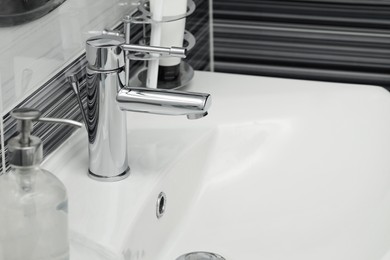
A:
(2, 133)
(2, 147)
(211, 33)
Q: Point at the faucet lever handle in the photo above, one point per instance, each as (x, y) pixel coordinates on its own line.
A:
(73, 81)
(163, 51)
(113, 32)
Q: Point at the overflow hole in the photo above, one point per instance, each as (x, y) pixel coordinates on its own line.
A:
(161, 204)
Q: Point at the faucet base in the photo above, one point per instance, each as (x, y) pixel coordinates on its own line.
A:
(119, 177)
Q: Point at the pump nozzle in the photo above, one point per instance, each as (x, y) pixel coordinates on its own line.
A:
(25, 149)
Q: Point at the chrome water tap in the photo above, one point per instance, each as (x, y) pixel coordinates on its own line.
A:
(109, 97)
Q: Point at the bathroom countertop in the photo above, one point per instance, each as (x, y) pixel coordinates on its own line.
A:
(282, 154)
(82, 248)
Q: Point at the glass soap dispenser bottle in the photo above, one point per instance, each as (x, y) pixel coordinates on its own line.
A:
(33, 201)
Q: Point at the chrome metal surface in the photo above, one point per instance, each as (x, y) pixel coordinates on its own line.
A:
(166, 51)
(142, 56)
(105, 52)
(197, 116)
(113, 33)
(189, 41)
(127, 33)
(161, 205)
(60, 121)
(26, 114)
(25, 155)
(106, 126)
(25, 118)
(145, 15)
(76, 89)
(118, 177)
(108, 98)
(25, 149)
(163, 102)
(200, 256)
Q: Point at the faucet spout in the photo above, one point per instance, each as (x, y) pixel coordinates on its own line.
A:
(164, 102)
(197, 116)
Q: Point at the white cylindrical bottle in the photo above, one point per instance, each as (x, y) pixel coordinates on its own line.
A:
(156, 8)
(172, 35)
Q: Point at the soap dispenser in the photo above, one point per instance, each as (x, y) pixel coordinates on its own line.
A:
(33, 201)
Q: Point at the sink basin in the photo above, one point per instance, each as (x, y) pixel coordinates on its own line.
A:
(280, 169)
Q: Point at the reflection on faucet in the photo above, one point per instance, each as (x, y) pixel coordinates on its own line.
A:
(164, 102)
(109, 98)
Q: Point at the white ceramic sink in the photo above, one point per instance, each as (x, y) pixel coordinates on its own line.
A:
(280, 169)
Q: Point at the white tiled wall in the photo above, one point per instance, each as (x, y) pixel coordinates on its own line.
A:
(2, 159)
(32, 53)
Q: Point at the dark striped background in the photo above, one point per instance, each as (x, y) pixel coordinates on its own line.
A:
(330, 40)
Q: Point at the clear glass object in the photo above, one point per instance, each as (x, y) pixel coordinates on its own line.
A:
(33, 216)
(33, 201)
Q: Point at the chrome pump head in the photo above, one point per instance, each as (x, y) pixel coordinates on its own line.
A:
(25, 149)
